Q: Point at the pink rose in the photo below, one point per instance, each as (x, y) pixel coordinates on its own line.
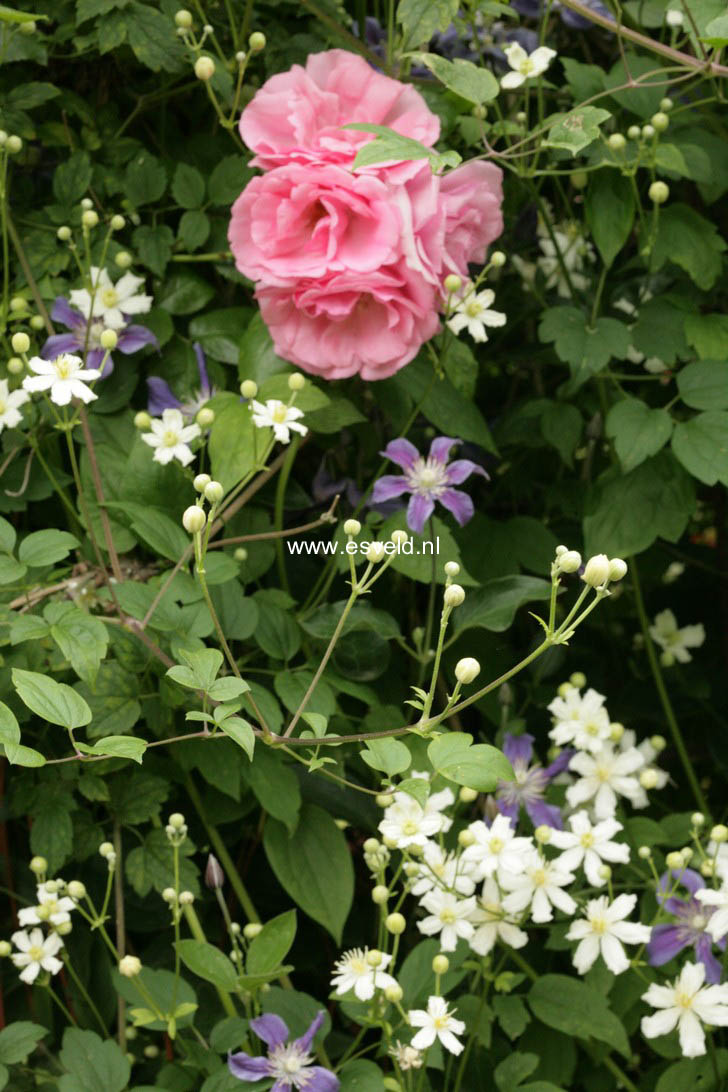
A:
(297, 115)
(298, 221)
(367, 323)
(471, 198)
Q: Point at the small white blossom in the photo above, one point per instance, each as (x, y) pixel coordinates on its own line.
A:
(473, 314)
(675, 642)
(603, 931)
(111, 302)
(687, 1004)
(580, 719)
(278, 416)
(588, 846)
(353, 972)
(436, 1022)
(525, 66)
(495, 848)
(449, 916)
(56, 910)
(36, 953)
(406, 824)
(441, 869)
(568, 250)
(604, 777)
(170, 437)
(717, 925)
(493, 923)
(540, 887)
(406, 1056)
(10, 415)
(65, 378)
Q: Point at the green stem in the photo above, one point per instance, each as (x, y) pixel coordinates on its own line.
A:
(662, 691)
(87, 998)
(280, 499)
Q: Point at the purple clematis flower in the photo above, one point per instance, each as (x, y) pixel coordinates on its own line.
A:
(689, 929)
(85, 335)
(289, 1063)
(532, 9)
(428, 480)
(530, 784)
(162, 398)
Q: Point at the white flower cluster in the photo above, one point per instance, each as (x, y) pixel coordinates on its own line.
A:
(37, 951)
(565, 255)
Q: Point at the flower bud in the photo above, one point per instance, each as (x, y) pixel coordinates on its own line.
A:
(241, 554)
(194, 519)
(660, 121)
(200, 481)
(54, 886)
(142, 420)
(659, 743)
(28, 27)
(666, 105)
(296, 382)
(674, 860)
(395, 924)
(399, 538)
(106, 849)
(248, 388)
(393, 993)
(117, 222)
(20, 342)
(674, 18)
(15, 365)
(252, 930)
(466, 670)
(76, 890)
(214, 492)
(204, 68)
(719, 834)
(384, 799)
(616, 142)
(64, 928)
(658, 193)
(452, 283)
(617, 569)
(644, 853)
(89, 218)
(697, 819)
(240, 56)
(123, 259)
(13, 145)
(5, 949)
(441, 964)
(498, 259)
(648, 132)
(371, 845)
(235, 929)
(183, 18)
(43, 912)
(467, 796)
(634, 132)
(63, 233)
(86, 203)
(375, 552)
(17, 303)
(466, 838)
(687, 854)
(569, 562)
(374, 958)
(380, 894)
(205, 417)
(454, 596)
(151, 1051)
(38, 865)
(596, 571)
(130, 966)
(649, 778)
(214, 875)
(186, 898)
(605, 872)
(542, 834)
(169, 895)
(108, 339)
(352, 527)
(707, 868)
(256, 41)
(37, 322)
(176, 820)
(452, 568)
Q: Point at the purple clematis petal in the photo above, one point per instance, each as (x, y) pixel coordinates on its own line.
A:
(202, 370)
(308, 1036)
(270, 1028)
(686, 877)
(60, 343)
(389, 486)
(63, 312)
(320, 1080)
(458, 503)
(461, 469)
(518, 748)
(713, 968)
(160, 396)
(542, 814)
(419, 510)
(559, 764)
(440, 448)
(245, 1068)
(510, 809)
(134, 338)
(665, 943)
(401, 452)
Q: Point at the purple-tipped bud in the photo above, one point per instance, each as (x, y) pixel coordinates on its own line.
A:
(214, 875)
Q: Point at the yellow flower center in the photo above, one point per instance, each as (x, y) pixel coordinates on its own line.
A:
(63, 369)
(591, 728)
(279, 414)
(447, 916)
(358, 966)
(603, 773)
(170, 438)
(35, 953)
(473, 308)
(599, 925)
(495, 845)
(410, 827)
(3, 408)
(441, 1022)
(587, 839)
(526, 67)
(683, 1000)
(539, 877)
(109, 297)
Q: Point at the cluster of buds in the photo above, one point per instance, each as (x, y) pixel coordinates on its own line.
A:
(194, 518)
(107, 851)
(10, 144)
(376, 856)
(204, 65)
(598, 571)
(90, 219)
(176, 828)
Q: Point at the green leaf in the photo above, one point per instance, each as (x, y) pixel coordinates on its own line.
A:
(150, 865)
(156, 529)
(390, 146)
(8, 536)
(29, 95)
(19, 1040)
(637, 431)
(231, 444)
(708, 334)
(416, 787)
(18, 755)
(219, 333)
(117, 747)
(577, 129)
(82, 639)
(28, 627)
(272, 944)
(477, 85)
(228, 180)
(565, 1003)
(275, 786)
(716, 32)
(165, 991)
(562, 425)
(193, 230)
(154, 246)
(188, 186)
(361, 1075)
(46, 547)
(659, 329)
(609, 207)
(512, 1072)
(694, 1074)
(145, 179)
(391, 756)
(626, 513)
(418, 565)
(277, 633)
(112, 699)
(51, 835)
(442, 404)
(151, 40)
(687, 239)
(11, 571)
(323, 622)
(228, 688)
(314, 867)
(701, 445)
(586, 348)
(50, 700)
(92, 1064)
(704, 385)
(72, 179)
(184, 293)
(9, 728)
(494, 605)
(207, 962)
(477, 766)
(241, 732)
(421, 18)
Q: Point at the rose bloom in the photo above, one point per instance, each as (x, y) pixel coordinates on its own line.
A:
(297, 116)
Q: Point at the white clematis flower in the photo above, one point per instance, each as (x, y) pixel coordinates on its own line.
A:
(580, 719)
(587, 846)
(449, 916)
(687, 1004)
(56, 910)
(278, 416)
(539, 887)
(493, 923)
(64, 378)
(495, 848)
(10, 415)
(674, 641)
(603, 931)
(440, 869)
(525, 66)
(406, 824)
(473, 314)
(604, 777)
(436, 1022)
(111, 302)
(170, 437)
(354, 972)
(717, 925)
(36, 953)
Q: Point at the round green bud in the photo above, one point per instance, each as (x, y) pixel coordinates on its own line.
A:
(384, 799)
(707, 868)
(441, 964)
(130, 966)
(186, 898)
(375, 553)
(666, 105)
(205, 417)
(89, 218)
(658, 742)
(5, 949)
(256, 41)
(467, 796)
(214, 492)
(616, 142)
(393, 993)
(117, 222)
(395, 924)
(15, 365)
(123, 259)
(151, 1051)
(697, 819)
(142, 420)
(76, 890)
(648, 131)
(296, 382)
(64, 233)
(644, 853)
(479, 111)
(371, 845)
(176, 820)
(17, 303)
(86, 203)
(660, 121)
(248, 388)
(106, 849)
(674, 860)
(521, 116)
(451, 568)
(542, 834)
(252, 930)
(380, 894)
(241, 554)
(452, 283)
(466, 837)
(634, 132)
(399, 537)
(200, 481)
(617, 569)
(616, 731)
(37, 322)
(169, 895)
(28, 28)
(108, 339)
(605, 872)
(13, 145)
(578, 679)
(64, 928)
(194, 519)
(352, 527)
(467, 670)
(454, 596)
(579, 179)
(38, 865)
(20, 342)
(658, 193)
(498, 259)
(204, 68)
(649, 779)
(183, 18)
(374, 958)
(719, 833)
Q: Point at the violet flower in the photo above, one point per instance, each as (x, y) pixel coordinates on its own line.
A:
(533, 9)
(530, 784)
(85, 334)
(689, 930)
(428, 479)
(162, 398)
(289, 1063)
